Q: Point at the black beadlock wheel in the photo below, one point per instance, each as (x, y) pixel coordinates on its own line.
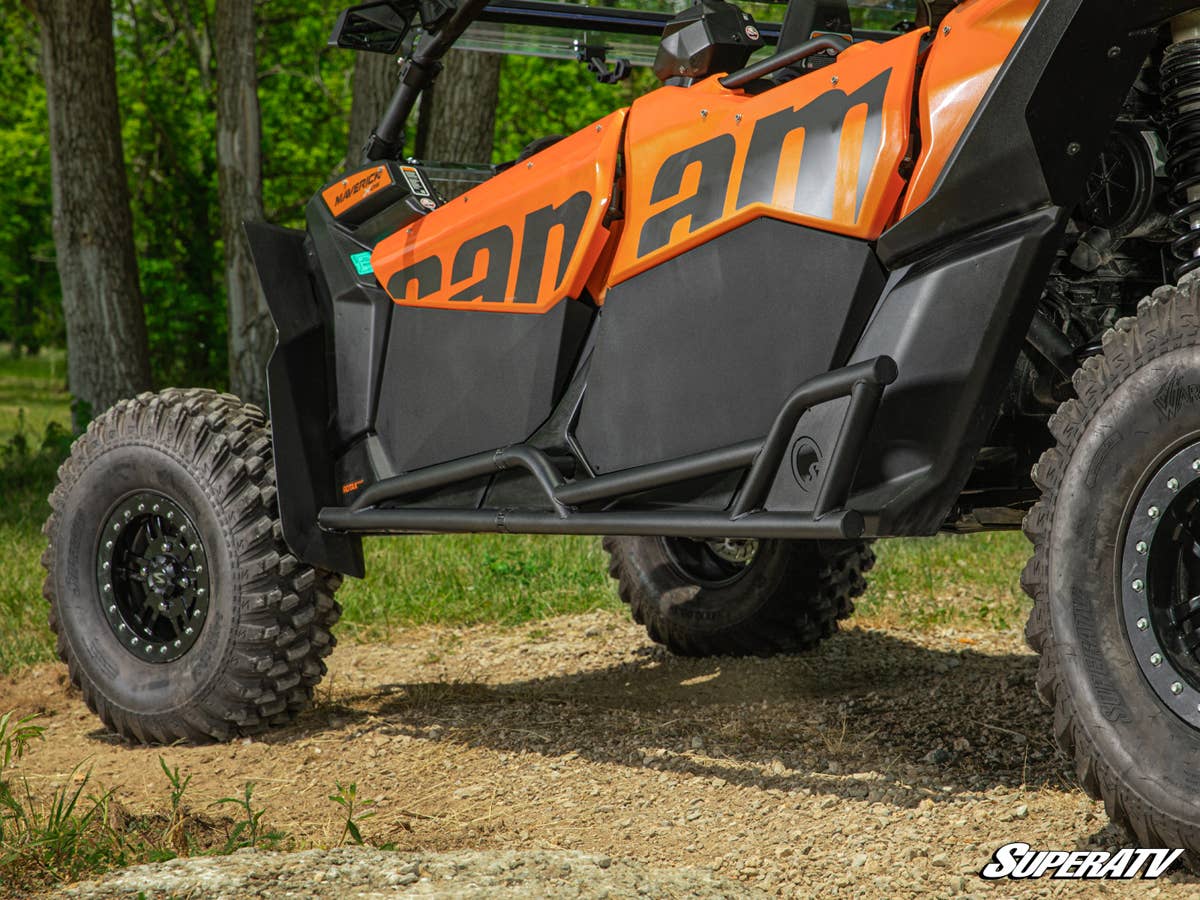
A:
(1115, 575)
(178, 608)
(151, 569)
(738, 597)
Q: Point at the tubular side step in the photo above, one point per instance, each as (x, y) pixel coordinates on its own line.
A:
(839, 525)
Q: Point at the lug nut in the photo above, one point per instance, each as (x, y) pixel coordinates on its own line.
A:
(189, 631)
(1176, 688)
(1138, 585)
(1156, 659)
(1142, 624)
(1153, 512)
(1142, 547)
(1173, 484)
(141, 507)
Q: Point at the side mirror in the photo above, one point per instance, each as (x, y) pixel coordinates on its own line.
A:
(378, 27)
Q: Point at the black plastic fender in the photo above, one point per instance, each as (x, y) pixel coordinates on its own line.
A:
(300, 393)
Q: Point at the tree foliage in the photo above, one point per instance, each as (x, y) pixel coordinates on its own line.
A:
(30, 310)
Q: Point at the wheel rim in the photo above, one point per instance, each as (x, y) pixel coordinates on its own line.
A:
(711, 563)
(1160, 583)
(153, 576)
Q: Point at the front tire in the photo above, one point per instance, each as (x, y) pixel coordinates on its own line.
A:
(178, 608)
(1115, 569)
(738, 598)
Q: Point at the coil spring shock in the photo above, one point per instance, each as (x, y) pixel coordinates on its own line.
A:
(1180, 76)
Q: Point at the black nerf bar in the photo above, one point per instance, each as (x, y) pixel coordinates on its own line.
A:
(863, 382)
(840, 525)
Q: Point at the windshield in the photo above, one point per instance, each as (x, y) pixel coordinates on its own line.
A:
(640, 49)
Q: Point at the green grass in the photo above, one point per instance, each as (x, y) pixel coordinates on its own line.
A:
(968, 582)
(33, 389)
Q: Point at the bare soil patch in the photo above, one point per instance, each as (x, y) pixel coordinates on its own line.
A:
(888, 763)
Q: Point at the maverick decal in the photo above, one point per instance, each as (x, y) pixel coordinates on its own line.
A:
(350, 191)
(806, 144)
(481, 270)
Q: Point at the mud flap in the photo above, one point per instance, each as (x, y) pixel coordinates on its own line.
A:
(299, 392)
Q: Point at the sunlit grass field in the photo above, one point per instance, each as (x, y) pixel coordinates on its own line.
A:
(969, 582)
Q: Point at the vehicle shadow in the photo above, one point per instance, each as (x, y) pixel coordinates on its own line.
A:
(905, 721)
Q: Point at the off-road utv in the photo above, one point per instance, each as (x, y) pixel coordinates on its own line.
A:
(772, 311)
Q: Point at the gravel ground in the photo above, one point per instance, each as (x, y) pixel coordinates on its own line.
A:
(371, 873)
(886, 764)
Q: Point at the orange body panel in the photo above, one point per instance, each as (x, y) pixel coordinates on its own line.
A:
(823, 150)
(520, 242)
(349, 192)
(962, 65)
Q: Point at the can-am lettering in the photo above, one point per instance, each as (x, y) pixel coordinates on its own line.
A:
(482, 266)
(814, 167)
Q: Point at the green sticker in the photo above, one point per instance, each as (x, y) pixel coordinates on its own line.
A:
(362, 263)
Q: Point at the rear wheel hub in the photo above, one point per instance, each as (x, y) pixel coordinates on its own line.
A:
(712, 563)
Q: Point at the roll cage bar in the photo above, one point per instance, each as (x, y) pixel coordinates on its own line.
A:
(803, 21)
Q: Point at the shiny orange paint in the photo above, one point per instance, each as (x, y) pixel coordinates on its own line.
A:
(584, 162)
(664, 124)
(973, 43)
(353, 189)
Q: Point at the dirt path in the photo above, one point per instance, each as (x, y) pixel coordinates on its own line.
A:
(887, 764)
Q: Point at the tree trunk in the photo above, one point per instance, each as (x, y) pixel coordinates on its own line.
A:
(107, 357)
(458, 117)
(239, 183)
(376, 76)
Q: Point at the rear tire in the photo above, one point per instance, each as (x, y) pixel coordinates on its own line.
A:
(164, 520)
(698, 601)
(1118, 647)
